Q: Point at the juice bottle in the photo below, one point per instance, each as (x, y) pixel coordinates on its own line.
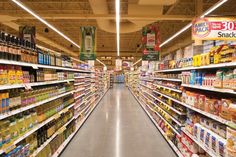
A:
(20, 124)
(19, 75)
(1, 140)
(6, 136)
(34, 116)
(1, 105)
(4, 75)
(3, 102)
(13, 128)
(29, 140)
(27, 122)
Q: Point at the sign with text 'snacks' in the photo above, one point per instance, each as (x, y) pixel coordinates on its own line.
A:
(214, 29)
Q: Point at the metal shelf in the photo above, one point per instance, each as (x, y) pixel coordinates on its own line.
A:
(28, 85)
(211, 66)
(168, 79)
(172, 89)
(229, 91)
(36, 66)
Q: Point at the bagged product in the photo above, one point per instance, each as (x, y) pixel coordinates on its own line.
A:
(214, 143)
(225, 113)
(231, 142)
(218, 82)
(232, 110)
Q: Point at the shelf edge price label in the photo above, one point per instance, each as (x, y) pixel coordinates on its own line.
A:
(27, 86)
(9, 148)
(35, 67)
(56, 116)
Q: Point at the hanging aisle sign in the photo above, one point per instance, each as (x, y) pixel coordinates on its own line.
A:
(214, 29)
(118, 64)
(28, 33)
(151, 42)
(88, 43)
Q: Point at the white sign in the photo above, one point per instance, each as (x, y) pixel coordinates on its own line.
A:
(214, 29)
(151, 39)
(118, 64)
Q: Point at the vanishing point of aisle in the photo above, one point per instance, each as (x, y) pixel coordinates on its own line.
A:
(118, 127)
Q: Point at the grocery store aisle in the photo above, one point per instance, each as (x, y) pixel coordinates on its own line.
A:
(118, 128)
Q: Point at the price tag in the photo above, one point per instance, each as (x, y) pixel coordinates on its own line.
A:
(61, 130)
(9, 148)
(27, 86)
(35, 67)
(56, 116)
(68, 81)
(65, 110)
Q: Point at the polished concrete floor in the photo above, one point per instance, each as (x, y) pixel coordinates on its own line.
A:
(118, 127)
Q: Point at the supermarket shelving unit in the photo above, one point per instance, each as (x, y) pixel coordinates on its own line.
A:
(153, 101)
(84, 103)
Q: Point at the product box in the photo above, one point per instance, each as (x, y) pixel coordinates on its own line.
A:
(179, 54)
(188, 51)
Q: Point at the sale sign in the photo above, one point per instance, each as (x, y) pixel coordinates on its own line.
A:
(214, 29)
(151, 42)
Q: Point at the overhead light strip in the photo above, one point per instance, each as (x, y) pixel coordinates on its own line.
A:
(137, 61)
(45, 22)
(214, 7)
(101, 62)
(118, 26)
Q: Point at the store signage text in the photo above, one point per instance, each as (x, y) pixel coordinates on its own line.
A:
(214, 29)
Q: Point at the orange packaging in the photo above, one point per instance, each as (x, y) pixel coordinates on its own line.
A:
(225, 113)
(215, 106)
(1, 106)
(207, 104)
(232, 110)
(231, 144)
(196, 102)
(201, 102)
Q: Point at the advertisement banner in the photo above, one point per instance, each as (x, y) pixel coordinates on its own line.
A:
(214, 29)
(88, 43)
(151, 42)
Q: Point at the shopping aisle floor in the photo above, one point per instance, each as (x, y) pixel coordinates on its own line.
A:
(118, 127)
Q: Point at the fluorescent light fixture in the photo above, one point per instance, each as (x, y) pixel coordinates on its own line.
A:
(101, 62)
(137, 61)
(176, 34)
(214, 7)
(118, 26)
(45, 22)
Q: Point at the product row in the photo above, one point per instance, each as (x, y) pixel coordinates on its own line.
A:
(17, 98)
(225, 78)
(217, 54)
(223, 107)
(15, 126)
(10, 74)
